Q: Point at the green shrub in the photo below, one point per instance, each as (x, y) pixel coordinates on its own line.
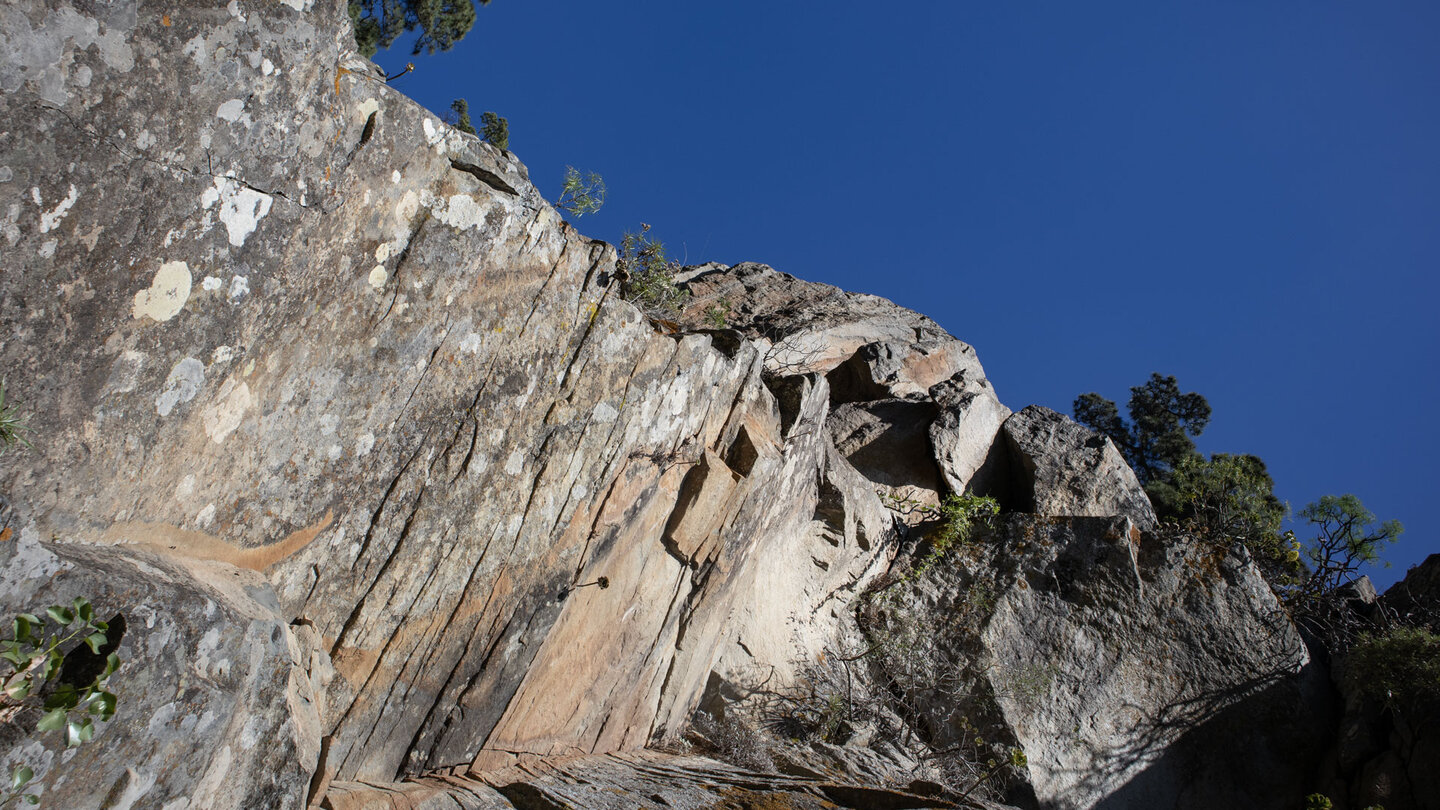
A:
(33, 653)
(1400, 667)
(581, 195)
(648, 275)
(1318, 801)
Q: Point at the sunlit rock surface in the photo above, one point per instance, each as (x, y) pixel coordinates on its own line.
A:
(387, 477)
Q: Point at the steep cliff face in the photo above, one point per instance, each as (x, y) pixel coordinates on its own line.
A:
(389, 482)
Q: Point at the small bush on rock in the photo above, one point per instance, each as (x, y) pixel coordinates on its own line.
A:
(1399, 667)
(648, 275)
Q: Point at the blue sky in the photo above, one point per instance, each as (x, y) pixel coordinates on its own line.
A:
(1243, 194)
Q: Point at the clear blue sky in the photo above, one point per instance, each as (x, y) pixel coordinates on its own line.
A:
(1243, 194)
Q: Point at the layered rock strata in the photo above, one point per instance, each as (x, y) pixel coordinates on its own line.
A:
(390, 483)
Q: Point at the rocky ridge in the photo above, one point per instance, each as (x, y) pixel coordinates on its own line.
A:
(349, 425)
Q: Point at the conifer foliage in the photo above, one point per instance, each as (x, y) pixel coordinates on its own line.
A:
(442, 23)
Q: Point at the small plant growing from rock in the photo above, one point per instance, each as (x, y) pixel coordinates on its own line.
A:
(495, 130)
(648, 276)
(39, 678)
(581, 195)
(717, 315)
(460, 116)
(12, 424)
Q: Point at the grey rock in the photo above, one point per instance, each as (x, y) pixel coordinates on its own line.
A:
(1134, 671)
(216, 698)
(1067, 470)
(972, 456)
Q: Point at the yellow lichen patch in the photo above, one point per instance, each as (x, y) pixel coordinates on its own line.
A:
(167, 294)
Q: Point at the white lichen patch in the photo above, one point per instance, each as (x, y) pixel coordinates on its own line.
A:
(378, 276)
(48, 248)
(298, 5)
(231, 110)
(267, 67)
(364, 444)
(328, 423)
(395, 176)
(185, 381)
(471, 343)
(211, 284)
(239, 288)
(460, 211)
(515, 463)
(206, 516)
(49, 221)
(185, 487)
(168, 292)
(604, 413)
(368, 107)
(383, 252)
(221, 418)
(433, 136)
(222, 354)
(241, 207)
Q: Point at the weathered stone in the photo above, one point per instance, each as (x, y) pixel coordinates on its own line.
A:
(1134, 673)
(215, 698)
(637, 781)
(812, 327)
(972, 456)
(330, 384)
(1066, 470)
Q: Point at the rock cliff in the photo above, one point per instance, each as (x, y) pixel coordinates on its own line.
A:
(404, 505)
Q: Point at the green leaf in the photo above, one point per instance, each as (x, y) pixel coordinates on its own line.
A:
(22, 628)
(53, 660)
(95, 641)
(84, 610)
(19, 659)
(32, 799)
(20, 776)
(78, 731)
(53, 720)
(104, 705)
(19, 689)
(112, 663)
(60, 614)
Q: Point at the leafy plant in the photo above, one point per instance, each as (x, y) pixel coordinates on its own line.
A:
(38, 678)
(1231, 499)
(648, 275)
(717, 315)
(12, 424)
(495, 130)
(1318, 801)
(1400, 667)
(581, 195)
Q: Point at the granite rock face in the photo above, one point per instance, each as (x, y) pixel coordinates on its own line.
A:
(386, 476)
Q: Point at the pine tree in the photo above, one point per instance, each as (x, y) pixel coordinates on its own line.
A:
(442, 23)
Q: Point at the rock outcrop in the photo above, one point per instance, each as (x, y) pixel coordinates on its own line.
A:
(405, 506)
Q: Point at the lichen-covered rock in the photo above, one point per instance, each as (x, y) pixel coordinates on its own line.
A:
(1135, 672)
(216, 694)
(1067, 470)
(887, 350)
(330, 382)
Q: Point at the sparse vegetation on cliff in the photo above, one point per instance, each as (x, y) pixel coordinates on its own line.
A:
(47, 680)
(647, 275)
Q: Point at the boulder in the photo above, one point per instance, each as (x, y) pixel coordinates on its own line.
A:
(1067, 470)
(1135, 671)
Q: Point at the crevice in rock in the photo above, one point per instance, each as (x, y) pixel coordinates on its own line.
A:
(485, 176)
(529, 797)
